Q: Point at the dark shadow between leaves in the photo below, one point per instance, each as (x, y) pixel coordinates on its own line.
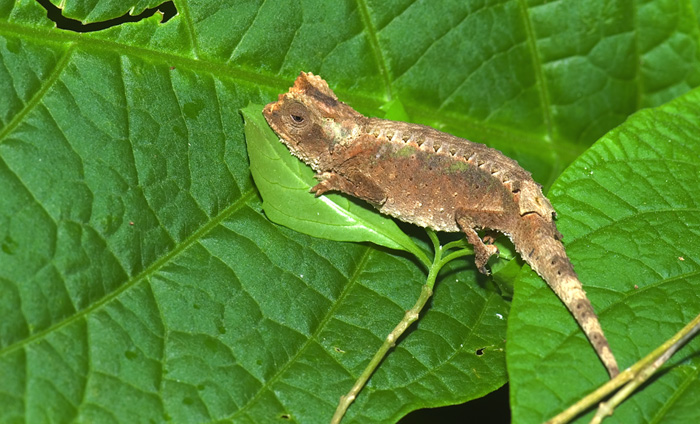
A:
(55, 14)
(492, 408)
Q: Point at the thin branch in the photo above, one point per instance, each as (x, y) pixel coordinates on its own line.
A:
(637, 374)
(409, 318)
(607, 408)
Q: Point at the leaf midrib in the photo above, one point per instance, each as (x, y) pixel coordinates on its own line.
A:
(222, 71)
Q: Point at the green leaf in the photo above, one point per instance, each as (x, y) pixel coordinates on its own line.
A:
(284, 183)
(139, 280)
(629, 211)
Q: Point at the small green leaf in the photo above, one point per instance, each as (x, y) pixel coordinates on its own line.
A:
(284, 183)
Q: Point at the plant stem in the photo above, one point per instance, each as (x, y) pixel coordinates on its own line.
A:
(606, 408)
(409, 318)
(635, 375)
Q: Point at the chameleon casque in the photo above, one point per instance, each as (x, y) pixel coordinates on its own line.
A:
(432, 179)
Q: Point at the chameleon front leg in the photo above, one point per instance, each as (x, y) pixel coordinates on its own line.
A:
(482, 251)
(356, 185)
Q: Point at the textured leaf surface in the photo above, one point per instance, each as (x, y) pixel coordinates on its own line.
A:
(629, 207)
(139, 280)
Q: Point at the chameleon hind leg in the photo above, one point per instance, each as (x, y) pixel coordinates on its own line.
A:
(482, 251)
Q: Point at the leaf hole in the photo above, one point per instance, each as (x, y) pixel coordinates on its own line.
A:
(167, 9)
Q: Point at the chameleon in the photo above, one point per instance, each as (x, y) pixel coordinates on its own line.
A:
(432, 179)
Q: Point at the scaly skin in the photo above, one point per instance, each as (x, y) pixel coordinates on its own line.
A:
(432, 179)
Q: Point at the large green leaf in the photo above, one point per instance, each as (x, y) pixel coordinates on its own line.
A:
(630, 210)
(139, 279)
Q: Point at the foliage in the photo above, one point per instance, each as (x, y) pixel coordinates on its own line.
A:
(140, 280)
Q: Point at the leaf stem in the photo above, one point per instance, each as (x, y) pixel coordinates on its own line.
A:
(454, 255)
(635, 376)
(409, 318)
(419, 253)
(436, 242)
(461, 243)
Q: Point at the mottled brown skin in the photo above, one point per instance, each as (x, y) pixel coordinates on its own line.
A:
(432, 179)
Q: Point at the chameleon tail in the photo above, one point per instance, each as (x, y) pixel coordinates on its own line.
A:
(571, 293)
(540, 247)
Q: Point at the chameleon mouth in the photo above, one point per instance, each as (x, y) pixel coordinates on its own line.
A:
(269, 108)
(270, 111)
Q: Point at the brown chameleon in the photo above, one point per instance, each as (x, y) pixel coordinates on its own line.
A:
(432, 179)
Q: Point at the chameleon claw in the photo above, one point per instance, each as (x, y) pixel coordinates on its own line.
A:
(318, 189)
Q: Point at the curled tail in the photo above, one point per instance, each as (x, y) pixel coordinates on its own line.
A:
(538, 243)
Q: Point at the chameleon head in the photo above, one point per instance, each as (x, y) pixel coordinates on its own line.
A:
(309, 119)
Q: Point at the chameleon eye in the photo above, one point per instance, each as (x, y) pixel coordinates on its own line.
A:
(297, 116)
